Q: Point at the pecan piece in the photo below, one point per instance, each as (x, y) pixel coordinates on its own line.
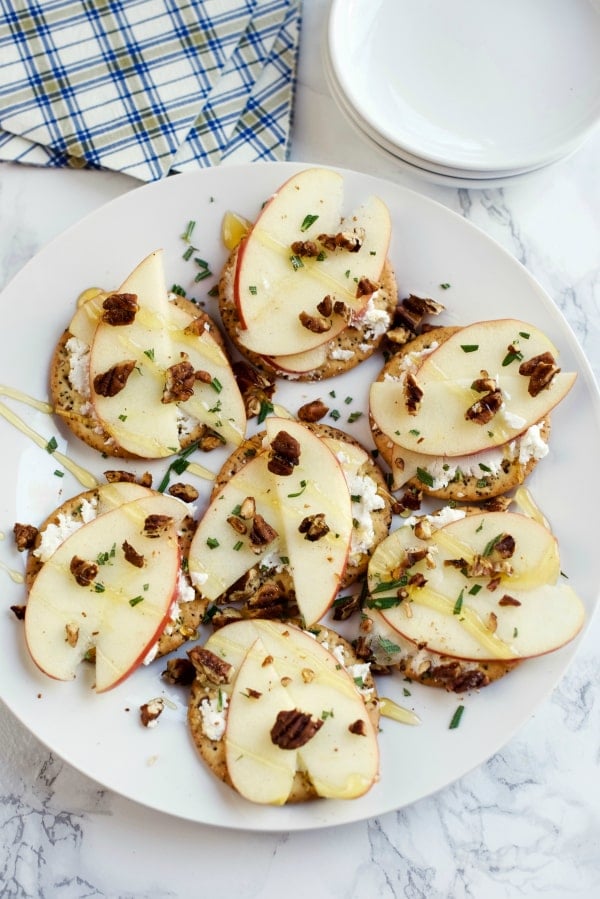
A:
(25, 536)
(507, 600)
(325, 307)
(358, 727)
(317, 324)
(413, 394)
(238, 524)
(482, 411)
(365, 286)
(504, 546)
(71, 634)
(18, 612)
(151, 711)
(114, 476)
(179, 382)
(313, 411)
(304, 248)
(540, 369)
(266, 596)
(179, 672)
(155, 525)
(212, 666)
(314, 527)
(120, 309)
(285, 454)
(343, 240)
(132, 556)
(261, 534)
(111, 382)
(256, 388)
(185, 492)
(84, 572)
(248, 508)
(293, 728)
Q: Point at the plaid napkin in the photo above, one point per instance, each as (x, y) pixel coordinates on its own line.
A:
(146, 87)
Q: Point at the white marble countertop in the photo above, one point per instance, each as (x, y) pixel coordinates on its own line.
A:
(527, 822)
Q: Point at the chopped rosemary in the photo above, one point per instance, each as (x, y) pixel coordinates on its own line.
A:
(52, 445)
(469, 347)
(425, 477)
(212, 542)
(265, 409)
(303, 484)
(136, 600)
(308, 221)
(455, 721)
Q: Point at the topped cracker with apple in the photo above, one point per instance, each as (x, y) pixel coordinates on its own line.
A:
(295, 515)
(142, 373)
(309, 291)
(464, 413)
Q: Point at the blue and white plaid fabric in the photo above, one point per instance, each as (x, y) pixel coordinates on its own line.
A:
(146, 87)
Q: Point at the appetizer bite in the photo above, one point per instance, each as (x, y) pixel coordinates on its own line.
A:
(309, 292)
(457, 599)
(464, 413)
(106, 582)
(142, 373)
(295, 514)
(284, 715)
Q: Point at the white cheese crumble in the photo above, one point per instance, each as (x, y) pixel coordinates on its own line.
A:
(375, 322)
(445, 516)
(214, 717)
(151, 654)
(365, 500)
(55, 534)
(199, 578)
(340, 354)
(273, 562)
(79, 365)
(530, 445)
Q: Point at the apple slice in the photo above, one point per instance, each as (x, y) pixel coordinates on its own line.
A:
(273, 284)
(300, 363)
(437, 423)
(221, 550)
(472, 596)
(280, 667)
(316, 490)
(116, 598)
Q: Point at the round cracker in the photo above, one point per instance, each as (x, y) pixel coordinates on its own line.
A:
(212, 752)
(355, 342)
(469, 488)
(77, 412)
(190, 614)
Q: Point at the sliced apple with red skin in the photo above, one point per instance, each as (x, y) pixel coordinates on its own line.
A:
(300, 363)
(317, 487)
(220, 553)
(159, 337)
(439, 426)
(527, 613)
(273, 285)
(267, 655)
(121, 609)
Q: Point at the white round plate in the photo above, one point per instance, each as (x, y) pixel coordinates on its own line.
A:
(101, 735)
(429, 171)
(504, 85)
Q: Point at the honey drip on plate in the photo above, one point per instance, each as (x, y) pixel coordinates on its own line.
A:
(85, 478)
(391, 709)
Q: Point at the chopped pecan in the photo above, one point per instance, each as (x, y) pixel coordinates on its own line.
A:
(285, 454)
(483, 410)
(209, 441)
(484, 384)
(238, 524)
(256, 388)
(213, 667)
(203, 376)
(417, 580)
(492, 622)
(343, 240)
(71, 634)
(151, 711)
(507, 600)
(399, 336)
(540, 369)
(317, 324)
(132, 555)
(314, 527)
(455, 678)
(261, 534)
(304, 248)
(156, 525)
(365, 286)
(413, 394)
(120, 309)
(185, 492)
(112, 382)
(179, 382)
(325, 307)
(18, 612)
(267, 595)
(293, 729)
(345, 606)
(248, 508)
(179, 672)
(114, 476)
(504, 546)
(83, 571)
(313, 411)
(358, 727)
(25, 536)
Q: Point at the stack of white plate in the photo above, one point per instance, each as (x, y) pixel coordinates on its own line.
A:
(467, 91)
